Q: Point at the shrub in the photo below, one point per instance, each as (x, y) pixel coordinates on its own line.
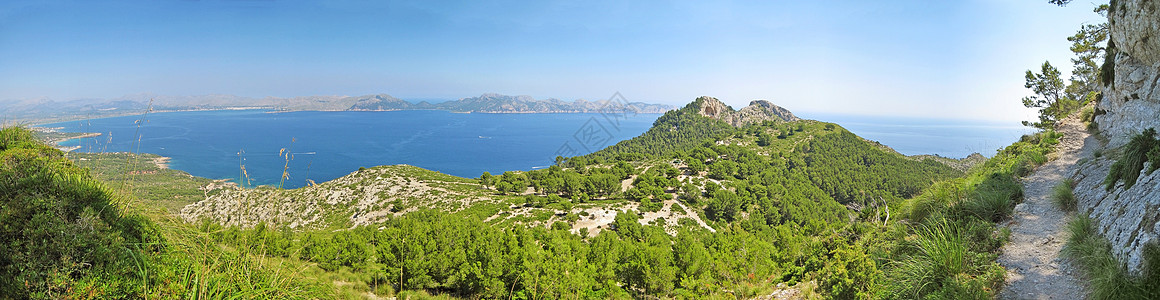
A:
(1108, 69)
(61, 235)
(1086, 114)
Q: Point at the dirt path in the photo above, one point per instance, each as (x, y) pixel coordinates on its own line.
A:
(692, 214)
(1039, 230)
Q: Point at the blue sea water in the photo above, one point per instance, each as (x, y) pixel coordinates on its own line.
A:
(328, 145)
(913, 136)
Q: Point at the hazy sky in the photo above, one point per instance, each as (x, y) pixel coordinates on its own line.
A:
(947, 59)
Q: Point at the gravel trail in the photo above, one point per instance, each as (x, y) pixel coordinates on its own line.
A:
(1035, 269)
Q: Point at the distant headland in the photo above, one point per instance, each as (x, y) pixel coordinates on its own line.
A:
(47, 110)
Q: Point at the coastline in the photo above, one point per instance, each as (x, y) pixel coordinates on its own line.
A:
(38, 122)
(53, 136)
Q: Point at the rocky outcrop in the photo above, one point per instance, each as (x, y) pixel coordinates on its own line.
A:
(1135, 27)
(368, 196)
(1127, 217)
(757, 111)
(1132, 102)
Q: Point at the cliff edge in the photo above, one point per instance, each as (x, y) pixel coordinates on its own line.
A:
(1128, 217)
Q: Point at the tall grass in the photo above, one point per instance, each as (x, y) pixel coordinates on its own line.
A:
(952, 252)
(243, 175)
(944, 267)
(287, 155)
(1107, 276)
(1063, 196)
(1128, 167)
(994, 197)
(197, 266)
(136, 151)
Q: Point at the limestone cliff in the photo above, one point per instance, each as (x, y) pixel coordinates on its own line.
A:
(1127, 217)
(757, 111)
(1132, 102)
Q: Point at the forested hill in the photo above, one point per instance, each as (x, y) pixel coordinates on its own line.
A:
(835, 160)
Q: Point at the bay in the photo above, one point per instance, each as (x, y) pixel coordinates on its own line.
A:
(328, 145)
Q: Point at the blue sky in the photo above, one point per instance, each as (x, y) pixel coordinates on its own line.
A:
(944, 59)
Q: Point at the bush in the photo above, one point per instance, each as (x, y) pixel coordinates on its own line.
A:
(61, 235)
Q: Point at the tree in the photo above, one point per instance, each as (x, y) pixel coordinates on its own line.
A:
(1049, 96)
(764, 139)
(485, 179)
(1090, 47)
(603, 184)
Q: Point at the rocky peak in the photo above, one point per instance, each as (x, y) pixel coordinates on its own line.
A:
(765, 108)
(757, 111)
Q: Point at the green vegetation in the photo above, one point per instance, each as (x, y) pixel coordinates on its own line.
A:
(1088, 117)
(62, 233)
(1057, 99)
(66, 235)
(676, 129)
(778, 206)
(803, 203)
(1108, 278)
(141, 176)
(1143, 147)
(1063, 196)
(955, 240)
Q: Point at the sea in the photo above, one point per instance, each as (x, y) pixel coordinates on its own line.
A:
(327, 145)
(943, 137)
(322, 146)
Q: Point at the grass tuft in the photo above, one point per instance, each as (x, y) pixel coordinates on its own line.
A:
(1107, 277)
(1063, 196)
(1128, 167)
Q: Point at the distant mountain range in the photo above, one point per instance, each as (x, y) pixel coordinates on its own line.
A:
(46, 110)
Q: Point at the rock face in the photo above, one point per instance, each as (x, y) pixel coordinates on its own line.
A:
(1135, 26)
(1128, 218)
(757, 111)
(1132, 103)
